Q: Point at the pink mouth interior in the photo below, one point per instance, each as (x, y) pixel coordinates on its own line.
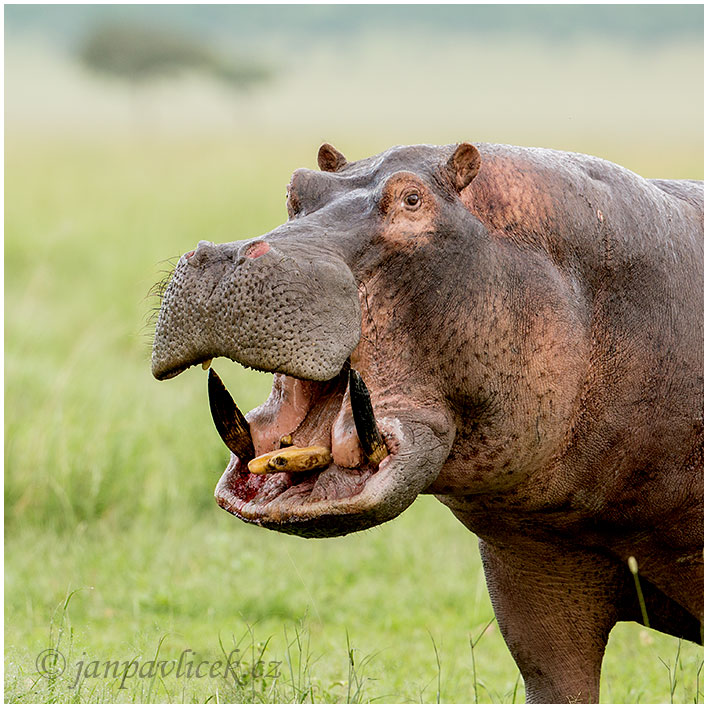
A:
(312, 413)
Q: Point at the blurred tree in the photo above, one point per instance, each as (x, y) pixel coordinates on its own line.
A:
(140, 54)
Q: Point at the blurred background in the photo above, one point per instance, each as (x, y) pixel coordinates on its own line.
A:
(133, 131)
(608, 79)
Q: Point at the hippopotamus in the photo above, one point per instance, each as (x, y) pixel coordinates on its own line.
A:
(516, 331)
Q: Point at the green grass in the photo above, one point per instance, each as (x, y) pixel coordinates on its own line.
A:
(114, 548)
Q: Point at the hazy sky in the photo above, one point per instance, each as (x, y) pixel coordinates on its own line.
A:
(630, 22)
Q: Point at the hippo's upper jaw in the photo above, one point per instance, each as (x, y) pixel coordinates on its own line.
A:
(275, 310)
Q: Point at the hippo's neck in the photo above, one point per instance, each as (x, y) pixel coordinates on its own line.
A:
(610, 257)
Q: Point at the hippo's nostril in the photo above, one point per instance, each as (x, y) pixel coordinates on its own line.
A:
(200, 254)
(256, 249)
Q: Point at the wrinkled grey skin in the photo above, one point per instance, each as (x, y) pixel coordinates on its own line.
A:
(288, 311)
(530, 330)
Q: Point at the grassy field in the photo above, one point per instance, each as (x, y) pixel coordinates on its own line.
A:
(115, 551)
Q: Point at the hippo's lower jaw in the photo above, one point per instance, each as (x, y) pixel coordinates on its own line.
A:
(351, 493)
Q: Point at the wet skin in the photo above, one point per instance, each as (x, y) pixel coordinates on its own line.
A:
(527, 327)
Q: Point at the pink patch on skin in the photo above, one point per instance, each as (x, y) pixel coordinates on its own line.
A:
(257, 249)
(189, 254)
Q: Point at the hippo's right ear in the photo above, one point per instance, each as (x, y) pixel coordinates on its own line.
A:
(330, 159)
(463, 165)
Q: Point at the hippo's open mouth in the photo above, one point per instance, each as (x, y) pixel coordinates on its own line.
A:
(311, 453)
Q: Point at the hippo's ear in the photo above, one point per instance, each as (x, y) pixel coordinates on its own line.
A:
(463, 165)
(330, 159)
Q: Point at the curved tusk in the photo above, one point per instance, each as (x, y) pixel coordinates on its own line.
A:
(371, 440)
(229, 421)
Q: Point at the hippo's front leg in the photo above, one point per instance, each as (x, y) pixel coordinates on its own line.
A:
(555, 608)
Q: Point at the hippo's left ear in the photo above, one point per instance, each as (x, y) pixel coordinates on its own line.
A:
(463, 165)
(330, 159)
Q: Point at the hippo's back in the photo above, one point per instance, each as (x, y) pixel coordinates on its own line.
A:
(691, 191)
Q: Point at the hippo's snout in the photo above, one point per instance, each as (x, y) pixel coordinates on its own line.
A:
(269, 307)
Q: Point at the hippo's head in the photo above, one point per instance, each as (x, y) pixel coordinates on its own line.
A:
(354, 305)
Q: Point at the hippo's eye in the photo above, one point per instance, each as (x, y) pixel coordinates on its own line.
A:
(412, 200)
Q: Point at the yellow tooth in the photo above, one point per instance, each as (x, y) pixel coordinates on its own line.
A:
(286, 441)
(207, 364)
(291, 460)
(378, 454)
(297, 460)
(259, 466)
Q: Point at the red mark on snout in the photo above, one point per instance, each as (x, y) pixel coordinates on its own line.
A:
(189, 254)
(258, 248)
